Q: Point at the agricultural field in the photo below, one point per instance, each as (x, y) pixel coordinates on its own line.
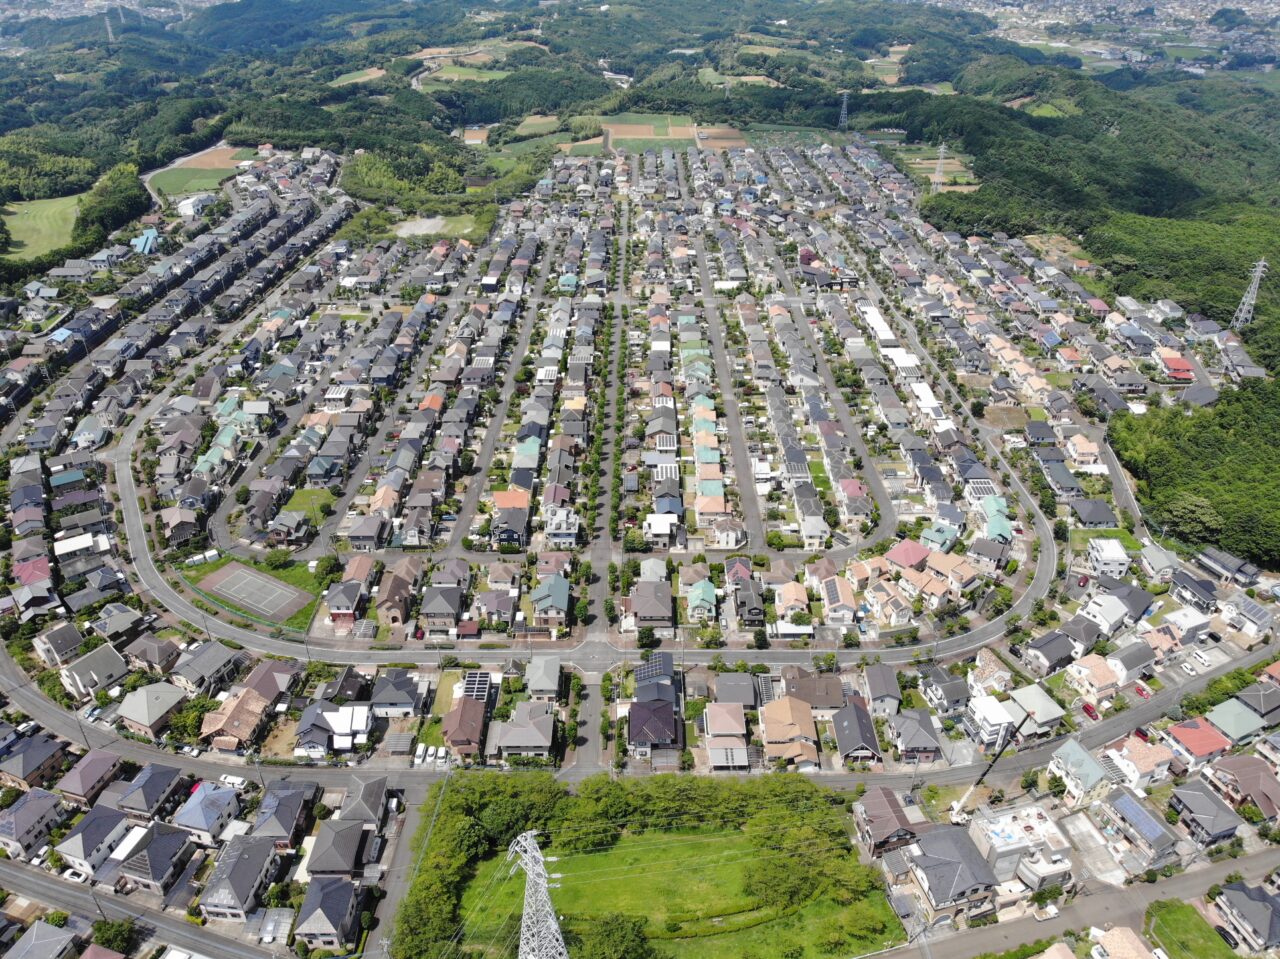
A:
(453, 72)
(713, 77)
(691, 889)
(38, 226)
(182, 180)
(888, 69)
(922, 160)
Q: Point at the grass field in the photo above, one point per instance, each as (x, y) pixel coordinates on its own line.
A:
(586, 150)
(38, 226)
(245, 153)
(313, 502)
(537, 124)
(1182, 932)
(358, 76)
(296, 575)
(690, 889)
(640, 144)
(453, 72)
(1080, 538)
(183, 180)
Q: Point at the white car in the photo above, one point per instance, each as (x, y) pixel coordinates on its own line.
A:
(1188, 669)
(230, 780)
(75, 875)
(431, 754)
(442, 757)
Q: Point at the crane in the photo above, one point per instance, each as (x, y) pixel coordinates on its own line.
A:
(959, 810)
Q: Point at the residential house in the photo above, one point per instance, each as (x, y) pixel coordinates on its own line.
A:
(147, 710)
(91, 840)
(239, 879)
(952, 874)
(326, 918)
(84, 781)
(1206, 817)
(26, 824)
(790, 734)
(1252, 913)
(207, 812)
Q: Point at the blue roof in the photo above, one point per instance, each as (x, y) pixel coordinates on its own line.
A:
(1140, 817)
(61, 336)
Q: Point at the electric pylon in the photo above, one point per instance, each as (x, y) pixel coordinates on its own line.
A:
(1244, 312)
(938, 176)
(844, 109)
(540, 936)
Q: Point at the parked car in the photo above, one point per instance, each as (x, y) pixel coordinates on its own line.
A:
(1228, 936)
(1082, 582)
(229, 780)
(1090, 711)
(1188, 669)
(1143, 733)
(75, 875)
(1142, 691)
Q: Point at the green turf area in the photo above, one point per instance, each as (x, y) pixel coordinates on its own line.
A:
(1080, 538)
(586, 150)
(640, 144)
(1183, 933)
(690, 888)
(455, 72)
(521, 147)
(38, 226)
(443, 701)
(355, 76)
(432, 732)
(296, 575)
(314, 502)
(535, 125)
(710, 75)
(182, 180)
(245, 153)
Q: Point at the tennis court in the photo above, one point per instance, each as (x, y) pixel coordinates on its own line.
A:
(255, 592)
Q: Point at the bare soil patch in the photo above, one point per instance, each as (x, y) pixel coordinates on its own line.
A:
(218, 158)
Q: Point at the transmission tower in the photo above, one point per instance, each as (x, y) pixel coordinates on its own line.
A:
(938, 175)
(540, 936)
(111, 36)
(844, 109)
(1244, 312)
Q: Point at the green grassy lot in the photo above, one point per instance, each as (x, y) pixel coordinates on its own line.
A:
(38, 226)
(638, 144)
(521, 147)
(454, 72)
(1182, 932)
(586, 150)
(355, 76)
(661, 122)
(432, 732)
(692, 882)
(245, 153)
(1080, 538)
(313, 502)
(444, 693)
(535, 124)
(181, 180)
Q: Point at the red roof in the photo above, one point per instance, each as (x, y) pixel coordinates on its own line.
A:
(908, 554)
(1199, 738)
(1172, 363)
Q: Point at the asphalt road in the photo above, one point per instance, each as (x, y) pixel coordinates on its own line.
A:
(44, 889)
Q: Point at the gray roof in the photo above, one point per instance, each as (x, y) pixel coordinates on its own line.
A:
(1135, 656)
(281, 807)
(543, 674)
(366, 799)
(205, 662)
(915, 730)
(882, 681)
(1259, 908)
(736, 688)
(951, 863)
(337, 846)
(1080, 763)
(205, 806)
(28, 755)
(855, 732)
(154, 855)
(90, 832)
(149, 788)
(93, 767)
(1203, 804)
(532, 726)
(326, 905)
(41, 941)
(29, 809)
(149, 704)
(233, 880)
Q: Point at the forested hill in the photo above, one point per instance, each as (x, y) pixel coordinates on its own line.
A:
(1212, 476)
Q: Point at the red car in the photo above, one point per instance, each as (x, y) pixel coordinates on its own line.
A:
(1143, 733)
(1142, 691)
(1082, 581)
(1090, 711)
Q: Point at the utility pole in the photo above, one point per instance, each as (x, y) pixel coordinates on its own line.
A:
(1244, 312)
(540, 936)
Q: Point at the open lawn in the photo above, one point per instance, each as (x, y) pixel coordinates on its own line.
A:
(358, 76)
(443, 701)
(314, 502)
(536, 124)
(182, 180)
(640, 144)
(689, 886)
(1080, 538)
(38, 226)
(455, 72)
(1183, 933)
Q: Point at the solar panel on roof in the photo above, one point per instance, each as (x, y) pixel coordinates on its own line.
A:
(1139, 817)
